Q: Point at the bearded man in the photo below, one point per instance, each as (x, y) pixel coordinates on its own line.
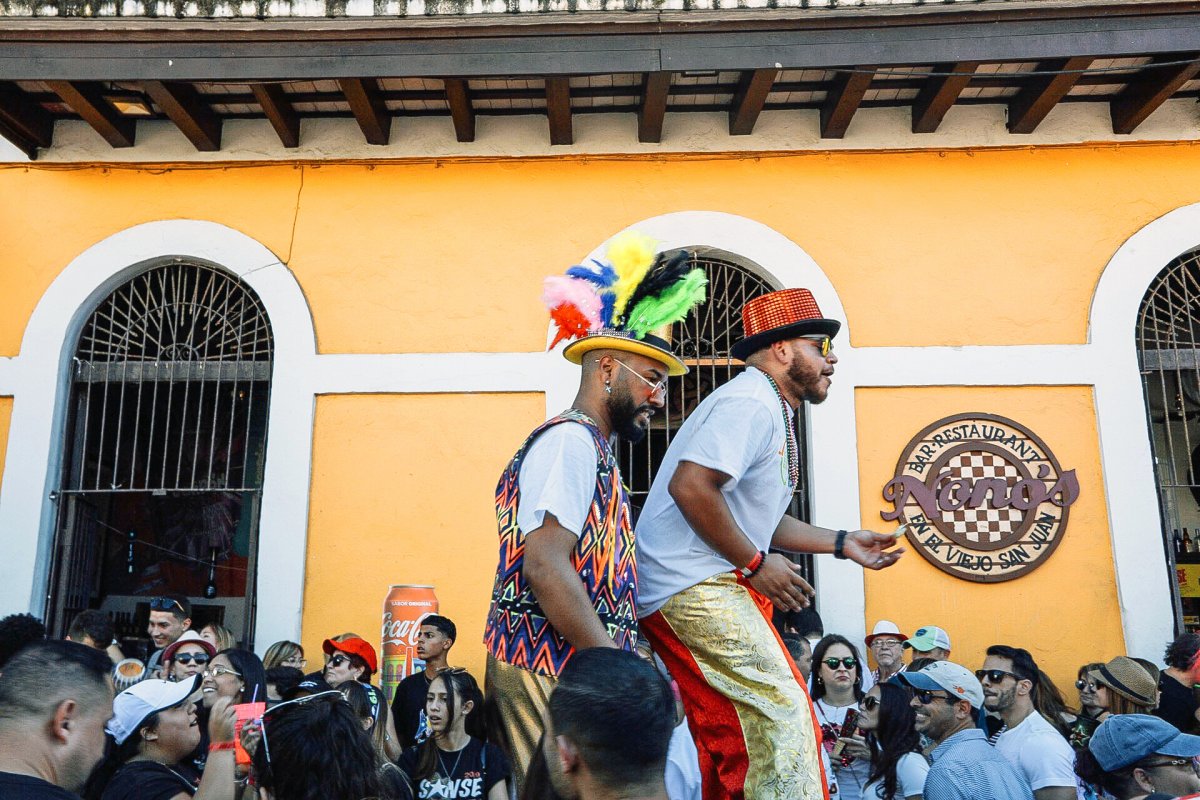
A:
(707, 582)
(567, 574)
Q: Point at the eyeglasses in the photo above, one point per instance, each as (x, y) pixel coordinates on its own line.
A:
(1086, 686)
(655, 388)
(869, 703)
(1173, 762)
(297, 662)
(338, 660)
(882, 642)
(925, 697)
(187, 658)
(995, 675)
(165, 604)
(825, 343)
(216, 672)
(847, 662)
(329, 693)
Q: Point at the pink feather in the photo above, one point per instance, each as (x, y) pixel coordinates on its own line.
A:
(559, 290)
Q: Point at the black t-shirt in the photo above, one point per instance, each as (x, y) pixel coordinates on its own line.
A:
(1177, 704)
(146, 780)
(27, 787)
(408, 707)
(468, 773)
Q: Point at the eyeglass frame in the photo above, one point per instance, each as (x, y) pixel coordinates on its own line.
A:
(926, 696)
(1171, 762)
(188, 658)
(869, 702)
(1091, 686)
(297, 701)
(303, 662)
(889, 641)
(980, 674)
(825, 342)
(211, 672)
(160, 603)
(836, 662)
(655, 388)
(334, 659)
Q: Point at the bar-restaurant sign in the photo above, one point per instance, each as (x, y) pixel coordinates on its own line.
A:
(983, 497)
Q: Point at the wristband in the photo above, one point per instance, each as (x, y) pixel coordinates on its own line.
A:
(838, 544)
(751, 569)
(217, 746)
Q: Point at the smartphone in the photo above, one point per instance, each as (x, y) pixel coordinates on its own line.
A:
(849, 728)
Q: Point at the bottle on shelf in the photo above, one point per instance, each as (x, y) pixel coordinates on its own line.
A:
(1177, 543)
(1188, 546)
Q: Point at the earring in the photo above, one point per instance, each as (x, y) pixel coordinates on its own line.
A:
(607, 388)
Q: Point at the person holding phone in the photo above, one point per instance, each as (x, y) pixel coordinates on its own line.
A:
(836, 692)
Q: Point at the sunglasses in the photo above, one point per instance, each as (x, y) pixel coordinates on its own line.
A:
(165, 604)
(655, 388)
(926, 697)
(824, 342)
(847, 662)
(337, 661)
(995, 675)
(869, 703)
(328, 694)
(188, 658)
(216, 672)
(1083, 685)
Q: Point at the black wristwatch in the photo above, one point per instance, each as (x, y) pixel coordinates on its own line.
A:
(838, 546)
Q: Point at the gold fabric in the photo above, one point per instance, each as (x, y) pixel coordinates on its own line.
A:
(519, 699)
(739, 656)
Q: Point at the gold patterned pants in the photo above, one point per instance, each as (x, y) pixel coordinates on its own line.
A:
(746, 703)
(517, 700)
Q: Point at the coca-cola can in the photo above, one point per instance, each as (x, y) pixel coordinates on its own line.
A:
(403, 609)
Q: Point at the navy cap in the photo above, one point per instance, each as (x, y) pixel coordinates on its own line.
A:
(1125, 739)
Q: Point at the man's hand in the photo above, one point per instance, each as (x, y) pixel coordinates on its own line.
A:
(779, 579)
(871, 550)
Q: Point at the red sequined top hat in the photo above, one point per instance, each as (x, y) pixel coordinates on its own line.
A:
(786, 314)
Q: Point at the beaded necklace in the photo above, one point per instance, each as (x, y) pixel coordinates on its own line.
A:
(789, 428)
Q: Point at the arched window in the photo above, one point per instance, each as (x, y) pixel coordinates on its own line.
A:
(164, 445)
(1168, 337)
(704, 340)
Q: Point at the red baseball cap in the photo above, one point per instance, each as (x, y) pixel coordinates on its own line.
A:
(354, 646)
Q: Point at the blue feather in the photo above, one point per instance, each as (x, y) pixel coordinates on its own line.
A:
(608, 302)
(603, 276)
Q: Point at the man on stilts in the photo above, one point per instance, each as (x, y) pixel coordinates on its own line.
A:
(707, 579)
(567, 574)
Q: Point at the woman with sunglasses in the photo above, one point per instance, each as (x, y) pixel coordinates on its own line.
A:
(1123, 686)
(186, 657)
(898, 769)
(836, 691)
(455, 761)
(154, 729)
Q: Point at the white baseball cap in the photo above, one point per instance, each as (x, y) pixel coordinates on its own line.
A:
(928, 637)
(885, 627)
(132, 706)
(954, 679)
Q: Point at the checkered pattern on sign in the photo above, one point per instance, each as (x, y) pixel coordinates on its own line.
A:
(984, 524)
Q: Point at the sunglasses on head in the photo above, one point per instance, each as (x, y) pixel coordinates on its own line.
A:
(188, 658)
(847, 662)
(165, 604)
(925, 696)
(329, 694)
(825, 343)
(995, 675)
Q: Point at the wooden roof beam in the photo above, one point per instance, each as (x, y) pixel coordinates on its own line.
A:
(1030, 106)
(86, 98)
(558, 109)
(749, 99)
(843, 99)
(279, 111)
(1143, 95)
(368, 107)
(940, 93)
(23, 122)
(190, 112)
(458, 98)
(652, 109)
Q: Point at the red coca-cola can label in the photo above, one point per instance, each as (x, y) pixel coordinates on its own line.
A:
(403, 609)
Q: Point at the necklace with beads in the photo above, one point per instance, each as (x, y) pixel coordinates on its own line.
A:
(789, 429)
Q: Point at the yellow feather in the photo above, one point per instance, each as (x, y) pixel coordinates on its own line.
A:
(631, 255)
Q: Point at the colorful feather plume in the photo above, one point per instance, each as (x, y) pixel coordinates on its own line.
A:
(631, 255)
(574, 306)
(672, 304)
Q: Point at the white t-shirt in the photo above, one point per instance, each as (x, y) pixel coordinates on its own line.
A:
(738, 430)
(683, 765)
(911, 770)
(558, 474)
(1039, 751)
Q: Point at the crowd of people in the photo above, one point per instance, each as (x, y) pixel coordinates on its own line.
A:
(674, 656)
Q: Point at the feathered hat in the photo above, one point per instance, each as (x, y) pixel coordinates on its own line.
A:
(627, 302)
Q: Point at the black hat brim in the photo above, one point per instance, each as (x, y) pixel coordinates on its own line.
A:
(807, 327)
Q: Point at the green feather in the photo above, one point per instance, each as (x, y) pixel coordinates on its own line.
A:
(670, 305)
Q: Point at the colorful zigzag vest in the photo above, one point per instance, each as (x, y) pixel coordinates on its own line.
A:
(517, 631)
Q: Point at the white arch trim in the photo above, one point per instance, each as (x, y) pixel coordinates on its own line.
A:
(38, 377)
(832, 433)
(1133, 506)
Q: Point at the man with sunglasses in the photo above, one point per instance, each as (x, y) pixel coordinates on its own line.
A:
(170, 616)
(1031, 744)
(567, 574)
(707, 578)
(947, 701)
